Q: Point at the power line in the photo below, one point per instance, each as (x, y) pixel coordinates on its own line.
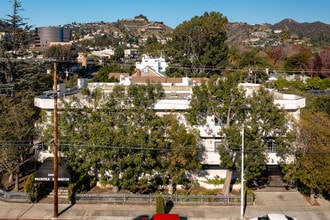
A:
(215, 68)
(200, 150)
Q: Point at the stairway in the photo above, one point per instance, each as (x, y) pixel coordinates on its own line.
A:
(62, 195)
(275, 181)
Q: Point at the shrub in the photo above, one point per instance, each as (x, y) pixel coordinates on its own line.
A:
(208, 192)
(83, 185)
(250, 195)
(217, 180)
(31, 187)
(160, 205)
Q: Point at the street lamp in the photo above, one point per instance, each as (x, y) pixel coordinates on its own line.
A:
(55, 146)
(242, 175)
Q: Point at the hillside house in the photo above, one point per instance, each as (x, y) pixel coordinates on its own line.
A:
(155, 65)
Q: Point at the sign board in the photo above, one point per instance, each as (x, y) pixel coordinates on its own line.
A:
(46, 171)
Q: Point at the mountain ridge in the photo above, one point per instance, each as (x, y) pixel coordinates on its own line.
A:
(306, 29)
(237, 32)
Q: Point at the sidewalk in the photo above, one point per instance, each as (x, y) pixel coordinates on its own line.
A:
(290, 203)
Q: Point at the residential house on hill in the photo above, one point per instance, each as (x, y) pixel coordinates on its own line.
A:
(152, 66)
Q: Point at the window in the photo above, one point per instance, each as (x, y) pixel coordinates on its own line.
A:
(216, 121)
(271, 146)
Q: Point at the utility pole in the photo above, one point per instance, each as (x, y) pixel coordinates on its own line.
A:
(242, 176)
(55, 145)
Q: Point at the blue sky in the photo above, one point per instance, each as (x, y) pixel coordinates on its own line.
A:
(171, 12)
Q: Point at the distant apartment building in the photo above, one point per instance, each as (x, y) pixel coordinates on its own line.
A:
(131, 53)
(155, 65)
(46, 36)
(106, 53)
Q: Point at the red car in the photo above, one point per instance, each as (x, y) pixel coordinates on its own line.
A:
(166, 217)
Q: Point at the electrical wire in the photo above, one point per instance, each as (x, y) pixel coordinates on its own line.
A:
(6, 144)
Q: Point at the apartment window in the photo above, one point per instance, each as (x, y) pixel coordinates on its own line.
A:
(216, 121)
(271, 146)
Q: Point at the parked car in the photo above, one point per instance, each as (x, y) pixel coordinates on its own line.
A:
(166, 217)
(274, 216)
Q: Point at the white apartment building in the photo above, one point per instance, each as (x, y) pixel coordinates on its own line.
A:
(104, 53)
(177, 97)
(159, 65)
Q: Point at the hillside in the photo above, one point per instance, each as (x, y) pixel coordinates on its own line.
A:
(128, 28)
(241, 32)
(309, 30)
(143, 28)
(237, 32)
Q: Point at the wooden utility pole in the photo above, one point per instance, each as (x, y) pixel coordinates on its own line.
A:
(242, 175)
(55, 146)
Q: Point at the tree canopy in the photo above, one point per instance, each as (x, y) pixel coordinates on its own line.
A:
(311, 170)
(198, 45)
(152, 47)
(232, 108)
(18, 29)
(61, 52)
(17, 119)
(124, 141)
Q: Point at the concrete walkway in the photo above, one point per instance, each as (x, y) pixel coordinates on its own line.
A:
(291, 203)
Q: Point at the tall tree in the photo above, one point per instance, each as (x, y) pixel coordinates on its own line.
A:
(182, 154)
(199, 44)
(152, 47)
(61, 52)
(285, 36)
(138, 134)
(298, 62)
(223, 99)
(254, 59)
(17, 117)
(257, 62)
(275, 53)
(18, 28)
(311, 169)
(122, 140)
(17, 42)
(119, 53)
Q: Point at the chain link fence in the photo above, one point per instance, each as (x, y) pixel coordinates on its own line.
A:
(151, 199)
(14, 196)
